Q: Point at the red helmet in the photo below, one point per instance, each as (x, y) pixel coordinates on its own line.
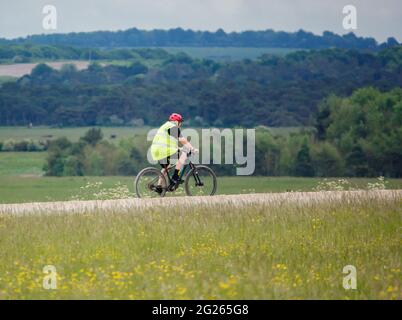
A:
(176, 117)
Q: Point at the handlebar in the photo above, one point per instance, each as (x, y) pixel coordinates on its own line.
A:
(181, 149)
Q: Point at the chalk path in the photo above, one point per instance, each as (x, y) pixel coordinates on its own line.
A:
(238, 200)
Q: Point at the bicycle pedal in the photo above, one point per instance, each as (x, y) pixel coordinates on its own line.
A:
(173, 186)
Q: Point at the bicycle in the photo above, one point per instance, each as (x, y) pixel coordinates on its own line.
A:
(200, 180)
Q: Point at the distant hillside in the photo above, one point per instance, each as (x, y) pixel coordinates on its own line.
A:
(189, 38)
(23, 53)
(271, 90)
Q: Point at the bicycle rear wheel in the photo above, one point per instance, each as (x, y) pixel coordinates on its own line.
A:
(201, 181)
(150, 183)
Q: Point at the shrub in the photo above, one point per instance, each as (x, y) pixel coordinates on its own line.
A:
(21, 145)
(8, 145)
(35, 146)
(326, 160)
(93, 136)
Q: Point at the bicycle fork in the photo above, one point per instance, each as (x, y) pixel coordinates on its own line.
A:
(198, 182)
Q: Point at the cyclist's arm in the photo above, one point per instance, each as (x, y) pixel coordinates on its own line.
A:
(185, 142)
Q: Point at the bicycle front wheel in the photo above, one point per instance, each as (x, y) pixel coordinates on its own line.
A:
(150, 183)
(201, 181)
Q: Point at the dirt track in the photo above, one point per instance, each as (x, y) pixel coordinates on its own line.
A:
(271, 199)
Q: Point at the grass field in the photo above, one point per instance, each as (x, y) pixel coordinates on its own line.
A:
(281, 250)
(21, 180)
(228, 53)
(72, 133)
(4, 79)
(19, 189)
(22, 163)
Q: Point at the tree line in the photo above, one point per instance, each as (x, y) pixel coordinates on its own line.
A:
(357, 136)
(179, 37)
(271, 91)
(28, 52)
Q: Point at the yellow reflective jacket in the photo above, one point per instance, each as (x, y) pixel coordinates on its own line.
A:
(164, 145)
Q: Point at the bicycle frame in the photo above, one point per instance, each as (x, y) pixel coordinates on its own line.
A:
(183, 172)
(184, 169)
(186, 177)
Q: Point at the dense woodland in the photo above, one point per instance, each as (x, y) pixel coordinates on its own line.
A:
(272, 90)
(184, 38)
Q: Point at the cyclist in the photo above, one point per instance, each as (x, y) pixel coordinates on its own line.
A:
(165, 147)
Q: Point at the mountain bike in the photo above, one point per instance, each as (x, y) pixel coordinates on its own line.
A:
(200, 180)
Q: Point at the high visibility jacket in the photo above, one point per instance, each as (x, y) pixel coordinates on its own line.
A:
(163, 144)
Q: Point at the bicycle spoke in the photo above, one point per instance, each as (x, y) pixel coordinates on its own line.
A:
(201, 182)
(150, 184)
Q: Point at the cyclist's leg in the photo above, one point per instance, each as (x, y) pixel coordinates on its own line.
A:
(181, 161)
(164, 163)
(175, 179)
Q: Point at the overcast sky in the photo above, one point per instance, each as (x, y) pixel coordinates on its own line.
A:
(378, 19)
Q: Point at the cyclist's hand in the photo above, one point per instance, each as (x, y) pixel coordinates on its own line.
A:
(194, 150)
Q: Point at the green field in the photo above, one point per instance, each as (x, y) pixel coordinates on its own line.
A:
(15, 189)
(21, 180)
(4, 79)
(273, 251)
(228, 53)
(22, 163)
(72, 133)
(214, 53)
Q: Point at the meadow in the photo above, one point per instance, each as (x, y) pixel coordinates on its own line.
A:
(21, 180)
(228, 53)
(278, 250)
(19, 189)
(282, 249)
(22, 163)
(113, 134)
(4, 79)
(72, 133)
